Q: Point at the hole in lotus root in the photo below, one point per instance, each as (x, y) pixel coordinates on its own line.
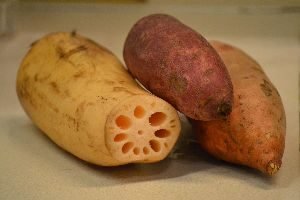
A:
(155, 145)
(157, 118)
(139, 112)
(136, 151)
(162, 133)
(146, 150)
(120, 137)
(123, 122)
(127, 147)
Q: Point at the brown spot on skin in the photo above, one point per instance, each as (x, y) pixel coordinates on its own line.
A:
(178, 83)
(258, 69)
(24, 86)
(46, 101)
(35, 78)
(55, 87)
(65, 55)
(79, 113)
(23, 91)
(276, 91)
(72, 121)
(55, 110)
(102, 99)
(34, 43)
(266, 88)
(109, 82)
(79, 74)
(249, 77)
(102, 49)
(80, 110)
(76, 50)
(224, 109)
(60, 52)
(73, 33)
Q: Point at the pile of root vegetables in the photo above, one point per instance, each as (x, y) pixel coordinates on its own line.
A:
(81, 96)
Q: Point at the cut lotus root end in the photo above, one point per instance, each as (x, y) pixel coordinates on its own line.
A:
(143, 128)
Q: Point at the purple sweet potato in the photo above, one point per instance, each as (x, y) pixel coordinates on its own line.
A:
(177, 64)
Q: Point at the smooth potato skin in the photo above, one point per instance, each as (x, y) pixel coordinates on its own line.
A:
(180, 66)
(254, 133)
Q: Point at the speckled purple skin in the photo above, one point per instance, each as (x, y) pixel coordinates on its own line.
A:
(178, 65)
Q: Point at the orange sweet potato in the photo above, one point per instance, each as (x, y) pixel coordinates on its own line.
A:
(254, 133)
(177, 64)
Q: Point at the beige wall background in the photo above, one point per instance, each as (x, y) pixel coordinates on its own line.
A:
(205, 2)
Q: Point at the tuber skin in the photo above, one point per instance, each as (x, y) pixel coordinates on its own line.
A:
(177, 64)
(254, 133)
(79, 94)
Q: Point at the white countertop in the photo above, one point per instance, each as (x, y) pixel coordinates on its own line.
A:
(32, 167)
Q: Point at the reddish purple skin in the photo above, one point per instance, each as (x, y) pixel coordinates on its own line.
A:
(178, 65)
